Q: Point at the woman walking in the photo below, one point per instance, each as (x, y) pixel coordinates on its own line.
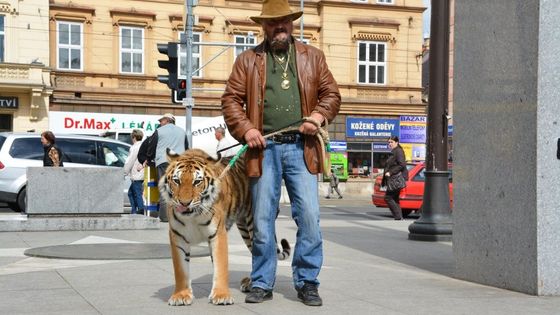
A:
(396, 164)
(52, 155)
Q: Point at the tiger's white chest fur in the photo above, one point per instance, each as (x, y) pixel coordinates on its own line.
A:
(194, 229)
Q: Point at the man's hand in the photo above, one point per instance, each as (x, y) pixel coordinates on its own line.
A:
(309, 128)
(254, 139)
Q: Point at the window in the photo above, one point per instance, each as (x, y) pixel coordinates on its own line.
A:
(5, 123)
(78, 150)
(132, 50)
(2, 17)
(114, 154)
(372, 63)
(70, 42)
(196, 53)
(385, 1)
(27, 148)
(240, 39)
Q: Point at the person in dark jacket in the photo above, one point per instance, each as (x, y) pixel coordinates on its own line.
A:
(52, 155)
(396, 163)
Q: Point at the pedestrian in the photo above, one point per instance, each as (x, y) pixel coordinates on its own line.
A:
(396, 163)
(223, 143)
(52, 154)
(333, 185)
(166, 136)
(273, 85)
(135, 170)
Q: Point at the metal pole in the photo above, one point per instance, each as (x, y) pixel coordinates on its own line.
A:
(301, 22)
(435, 223)
(188, 101)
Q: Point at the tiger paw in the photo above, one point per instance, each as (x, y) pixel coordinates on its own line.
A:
(183, 297)
(220, 297)
(245, 286)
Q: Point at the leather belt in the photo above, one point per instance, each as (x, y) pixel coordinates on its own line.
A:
(286, 138)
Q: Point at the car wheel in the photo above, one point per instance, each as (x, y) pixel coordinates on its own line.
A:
(14, 206)
(21, 199)
(406, 212)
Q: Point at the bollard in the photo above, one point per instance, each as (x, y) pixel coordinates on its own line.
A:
(151, 191)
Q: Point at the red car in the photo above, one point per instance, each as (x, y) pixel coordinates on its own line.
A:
(412, 195)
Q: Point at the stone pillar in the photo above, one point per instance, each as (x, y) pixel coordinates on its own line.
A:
(506, 128)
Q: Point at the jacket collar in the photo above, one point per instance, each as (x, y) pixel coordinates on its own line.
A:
(301, 58)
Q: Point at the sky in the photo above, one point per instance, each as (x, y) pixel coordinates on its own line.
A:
(427, 15)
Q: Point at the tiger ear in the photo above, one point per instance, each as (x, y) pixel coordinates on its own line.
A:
(171, 155)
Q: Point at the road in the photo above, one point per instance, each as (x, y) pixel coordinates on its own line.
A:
(355, 206)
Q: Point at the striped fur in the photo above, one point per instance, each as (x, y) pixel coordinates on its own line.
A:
(202, 208)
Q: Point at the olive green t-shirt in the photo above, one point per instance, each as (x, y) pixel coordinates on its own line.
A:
(282, 107)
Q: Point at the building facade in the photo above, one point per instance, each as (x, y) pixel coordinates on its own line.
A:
(25, 84)
(104, 60)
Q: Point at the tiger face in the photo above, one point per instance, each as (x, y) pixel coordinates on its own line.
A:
(189, 185)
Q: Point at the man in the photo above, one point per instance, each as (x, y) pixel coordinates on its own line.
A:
(167, 136)
(223, 143)
(333, 185)
(280, 81)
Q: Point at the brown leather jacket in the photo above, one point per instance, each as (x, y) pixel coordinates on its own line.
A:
(246, 87)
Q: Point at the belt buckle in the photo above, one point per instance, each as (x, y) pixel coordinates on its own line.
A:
(290, 138)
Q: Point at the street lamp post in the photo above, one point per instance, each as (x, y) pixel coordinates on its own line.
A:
(435, 223)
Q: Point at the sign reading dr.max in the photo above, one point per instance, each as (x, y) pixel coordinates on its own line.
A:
(202, 128)
(371, 128)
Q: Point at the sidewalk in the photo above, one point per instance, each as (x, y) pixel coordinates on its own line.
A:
(369, 268)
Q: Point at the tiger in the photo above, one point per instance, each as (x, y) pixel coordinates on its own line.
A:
(202, 207)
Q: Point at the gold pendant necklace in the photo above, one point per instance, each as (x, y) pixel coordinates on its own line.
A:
(285, 84)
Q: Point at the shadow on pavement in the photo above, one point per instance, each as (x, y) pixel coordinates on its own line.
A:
(394, 245)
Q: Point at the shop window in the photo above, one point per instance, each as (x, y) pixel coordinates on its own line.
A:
(5, 122)
(359, 159)
(132, 50)
(372, 65)
(69, 46)
(196, 53)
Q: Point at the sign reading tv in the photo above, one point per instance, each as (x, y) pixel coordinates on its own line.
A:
(371, 127)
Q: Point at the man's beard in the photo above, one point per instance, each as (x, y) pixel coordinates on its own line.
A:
(279, 46)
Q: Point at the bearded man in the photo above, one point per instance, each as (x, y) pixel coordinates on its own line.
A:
(273, 85)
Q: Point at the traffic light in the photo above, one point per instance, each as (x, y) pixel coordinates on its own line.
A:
(169, 49)
(180, 92)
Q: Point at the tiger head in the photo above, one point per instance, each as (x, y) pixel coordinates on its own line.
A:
(190, 185)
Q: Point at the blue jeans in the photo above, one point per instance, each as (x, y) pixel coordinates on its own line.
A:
(285, 161)
(135, 196)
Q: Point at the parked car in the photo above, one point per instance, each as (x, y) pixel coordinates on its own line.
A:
(21, 150)
(411, 197)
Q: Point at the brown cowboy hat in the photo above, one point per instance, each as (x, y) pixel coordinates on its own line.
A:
(274, 9)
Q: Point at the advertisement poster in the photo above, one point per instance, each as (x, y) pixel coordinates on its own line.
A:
(413, 129)
(97, 124)
(339, 164)
(414, 152)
